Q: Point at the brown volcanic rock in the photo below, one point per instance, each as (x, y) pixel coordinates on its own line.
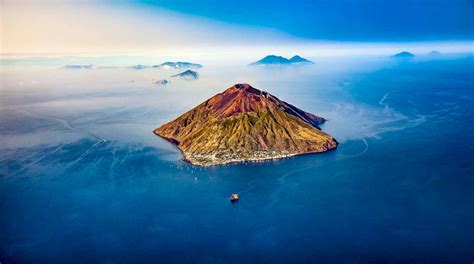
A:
(245, 124)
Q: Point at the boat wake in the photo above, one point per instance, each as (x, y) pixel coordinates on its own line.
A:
(282, 178)
(289, 187)
(65, 123)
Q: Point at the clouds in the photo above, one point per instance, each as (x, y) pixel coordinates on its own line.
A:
(206, 27)
(97, 27)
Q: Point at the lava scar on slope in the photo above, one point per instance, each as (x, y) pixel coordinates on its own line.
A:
(245, 124)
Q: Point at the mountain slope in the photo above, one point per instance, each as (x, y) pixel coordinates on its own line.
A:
(298, 59)
(243, 124)
(272, 59)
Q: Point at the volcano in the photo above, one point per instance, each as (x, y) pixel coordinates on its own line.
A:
(245, 124)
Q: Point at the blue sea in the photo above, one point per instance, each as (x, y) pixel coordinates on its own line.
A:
(84, 180)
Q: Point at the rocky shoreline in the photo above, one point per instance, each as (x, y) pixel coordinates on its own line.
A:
(211, 160)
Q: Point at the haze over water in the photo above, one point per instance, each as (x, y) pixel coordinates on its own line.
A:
(84, 179)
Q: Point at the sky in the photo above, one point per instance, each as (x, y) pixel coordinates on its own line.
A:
(231, 26)
(357, 20)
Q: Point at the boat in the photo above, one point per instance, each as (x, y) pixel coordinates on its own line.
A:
(234, 198)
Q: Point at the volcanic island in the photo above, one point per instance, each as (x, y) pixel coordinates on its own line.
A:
(245, 124)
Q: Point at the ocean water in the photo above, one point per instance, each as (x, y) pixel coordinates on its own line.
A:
(84, 180)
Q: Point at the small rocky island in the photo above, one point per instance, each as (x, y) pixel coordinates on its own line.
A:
(81, 66)
(138, 67)
(162, 82)
(187, 75)
(245, 124)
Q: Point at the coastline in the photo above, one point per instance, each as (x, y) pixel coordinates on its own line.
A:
(278, 156)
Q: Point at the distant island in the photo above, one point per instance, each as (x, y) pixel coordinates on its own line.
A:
(165, 65)
(139, 67)
(178, 65)
(187, 75)
(245, 124)
(162, 82)
(434, 53)
(273, 60)
(86, 67)
(81, 66)
(403, 54)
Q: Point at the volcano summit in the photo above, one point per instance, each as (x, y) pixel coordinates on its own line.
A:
(245, 124)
